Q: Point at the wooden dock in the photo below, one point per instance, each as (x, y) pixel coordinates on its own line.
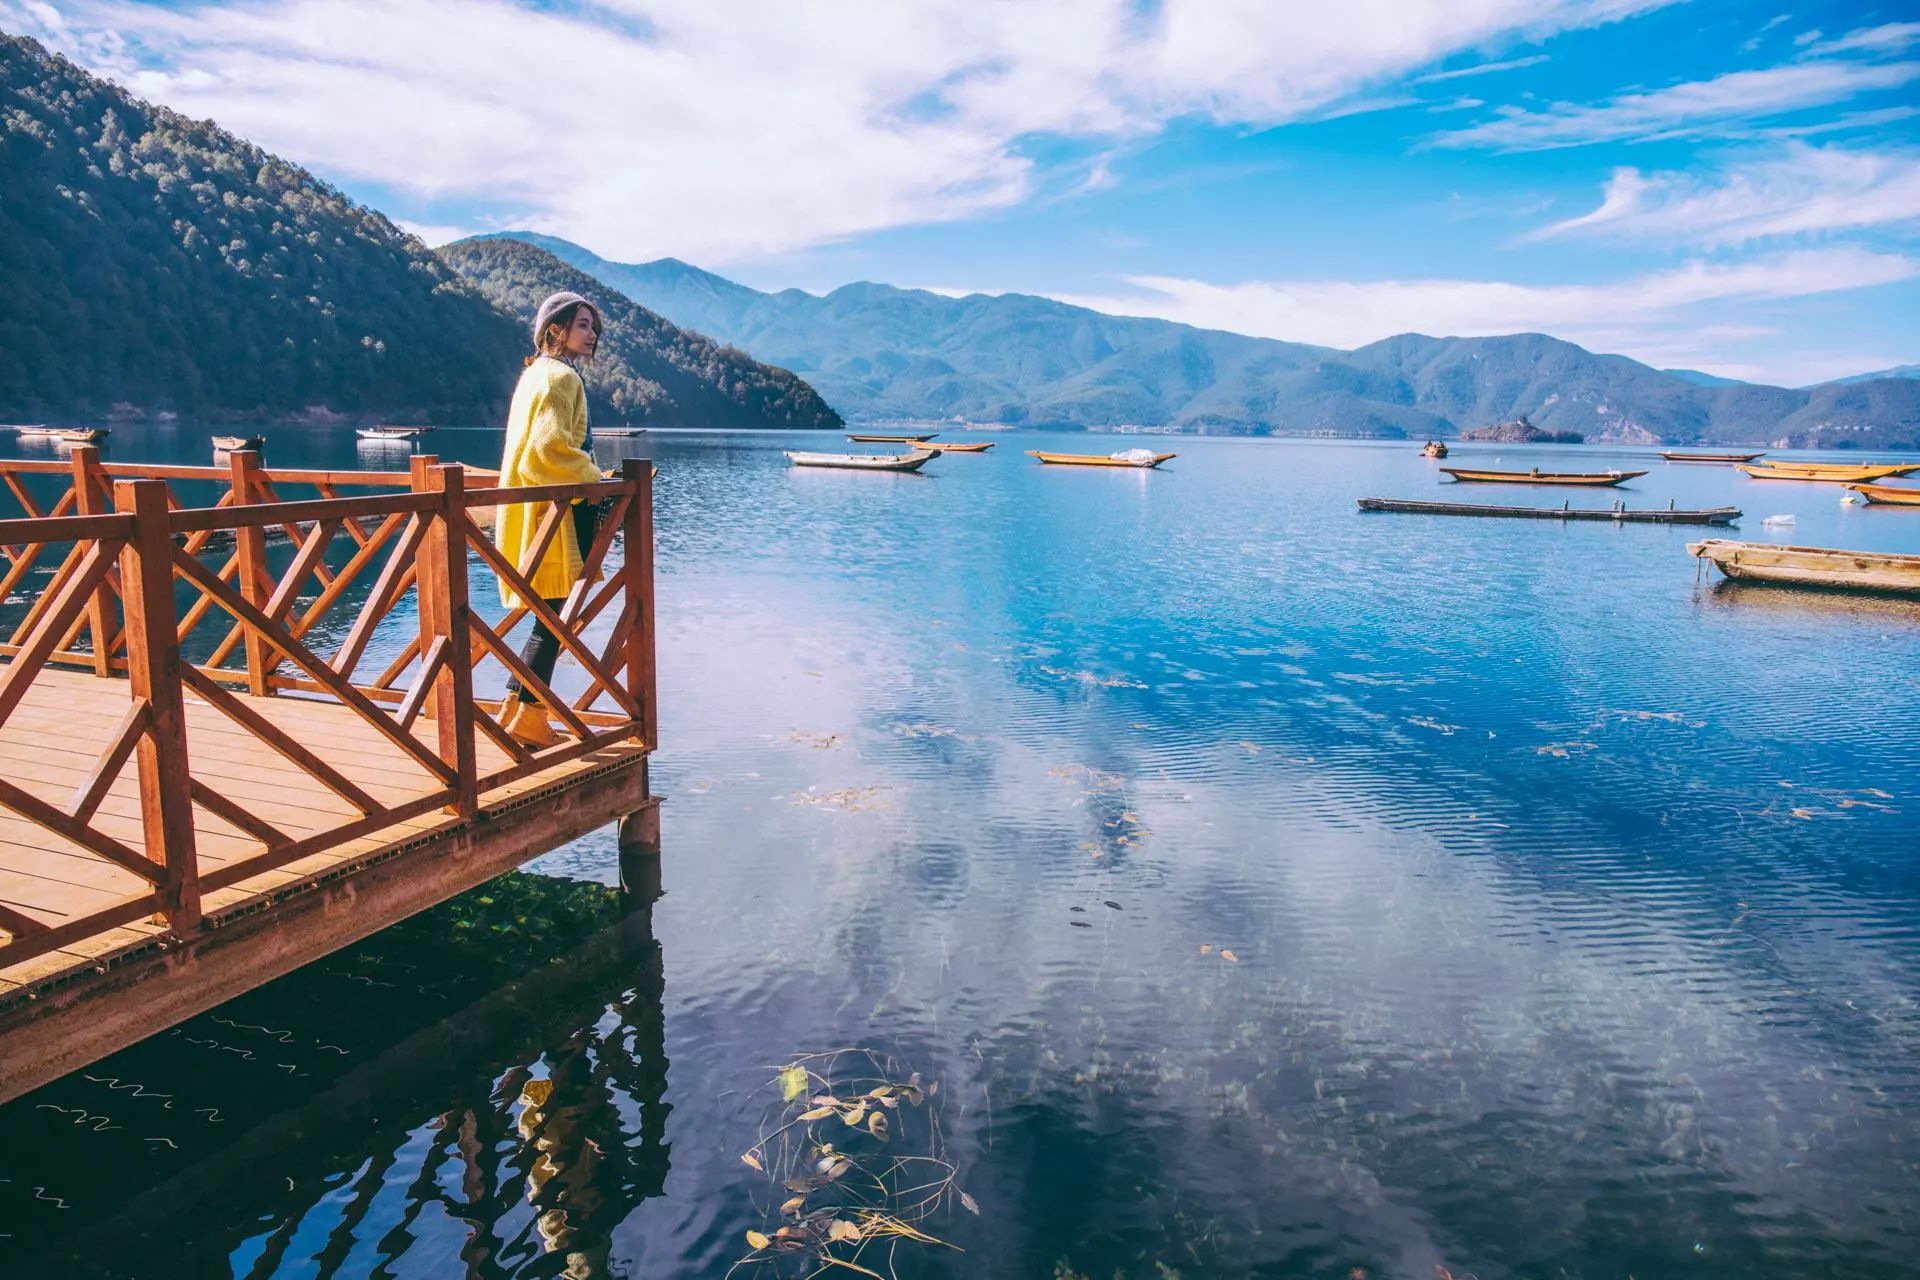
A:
(203, 782)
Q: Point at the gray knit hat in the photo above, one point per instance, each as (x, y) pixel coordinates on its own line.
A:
(553, 306)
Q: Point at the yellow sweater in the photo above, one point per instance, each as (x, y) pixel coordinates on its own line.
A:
(546, 438)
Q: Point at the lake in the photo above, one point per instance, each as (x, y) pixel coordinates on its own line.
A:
(1269, 888)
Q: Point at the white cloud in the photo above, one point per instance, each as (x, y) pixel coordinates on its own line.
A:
(1802, 190)
(1888, 36)
(1656, 317)
(1484, 68)
(1698, 108)
(433, 233)
(725, 132)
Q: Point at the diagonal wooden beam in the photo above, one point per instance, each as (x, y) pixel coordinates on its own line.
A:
(126, 736)
(423, 683)
(20, 926)
(501, 650)
(270, 733)
(392, 583)
(64, 607)
(236, 817)
(60, 822)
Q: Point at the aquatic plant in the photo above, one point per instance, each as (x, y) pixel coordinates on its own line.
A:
(853, 1154)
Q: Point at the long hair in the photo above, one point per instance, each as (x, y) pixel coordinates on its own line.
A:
(553, 338)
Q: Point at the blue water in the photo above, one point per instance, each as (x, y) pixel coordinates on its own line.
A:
(1571, 899)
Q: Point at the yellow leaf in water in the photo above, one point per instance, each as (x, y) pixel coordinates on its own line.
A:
(757, 1240)
(793, 1082)
(841, 1229)
(877, 1125)
(855, 1116)
(794, 1206)
(818, 1113)
(968, 1203)
(751, 1161)
(1206, 948)
(1228, 955)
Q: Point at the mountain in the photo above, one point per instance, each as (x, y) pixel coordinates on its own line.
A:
(1898, 371)
(875, 351)
(1520, 431)
(647, 370)
(1700, 379)
(154, 264)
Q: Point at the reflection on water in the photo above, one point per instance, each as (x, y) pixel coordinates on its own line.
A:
(1272, 889)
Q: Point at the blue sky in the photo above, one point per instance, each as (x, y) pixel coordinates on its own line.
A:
(1727, 186)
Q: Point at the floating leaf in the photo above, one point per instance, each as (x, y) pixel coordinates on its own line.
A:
(840, 1169)
(880, 1091)
(890, 1103)
(793, 1082)
(856, 1115)
(840, 1229)
(802, 1184)
(933, 1087)
(757, 1240)
(877, 1125)
(1206, 948)
(818, 1113)
(968, 1203)
(752, 1161)
(823, 1100)
(794, 1206)
(1228, 955)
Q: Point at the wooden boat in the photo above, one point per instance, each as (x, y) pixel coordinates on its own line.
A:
(1891, 495)
(228, 444)
(981, 447)
(1876, 571)
(392, 433)
(871, 437)
(1433, 449)
(865, 461)
(619, 431)
(65, 435)
(1096, 459)
(1617, 513)
(1671, 456)
(1895, 468)
(1824, 475)
(1537, 476)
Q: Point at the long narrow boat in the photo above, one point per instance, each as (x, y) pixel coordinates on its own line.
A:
(1671, 456)
(864, 461)
(873, 437)
(1891, 495)
(1097, 459)
(981, 447)
(230, 444)
(1537, 476)
(619, 431)
(1876, 571)
(1825, 475)
(65, 435)
(1617, 514)
(1897, 468)
(392, 433)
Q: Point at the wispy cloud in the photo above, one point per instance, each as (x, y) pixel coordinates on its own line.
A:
(1885, 38)
(1653, 317)
(1698, 108)
(1802, 190)
(730, 132)
(1765, 27)
(1484, 68)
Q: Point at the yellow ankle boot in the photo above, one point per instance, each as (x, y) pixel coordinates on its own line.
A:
(527, 722)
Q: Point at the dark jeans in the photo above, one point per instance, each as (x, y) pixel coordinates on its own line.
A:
(542, 649)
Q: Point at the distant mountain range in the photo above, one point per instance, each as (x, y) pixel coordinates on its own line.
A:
(1898, 371)
(875, 351)
(207, 277)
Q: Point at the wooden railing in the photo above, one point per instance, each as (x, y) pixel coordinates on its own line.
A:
(189, 605)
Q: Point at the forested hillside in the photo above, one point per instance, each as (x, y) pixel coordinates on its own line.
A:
(647, 371)
(157, 263)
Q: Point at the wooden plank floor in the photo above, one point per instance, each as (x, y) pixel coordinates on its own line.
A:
(49, 746)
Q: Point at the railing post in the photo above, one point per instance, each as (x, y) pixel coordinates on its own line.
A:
(250, 544)
(153, 674)
(638, 658)
(444, 618)
(90, 499)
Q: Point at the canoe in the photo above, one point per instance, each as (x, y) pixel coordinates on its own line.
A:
(1096, 459)
(392, 433)
(1618, 513)
(864, 461)
(1433, 449)
(1891, 495)
(228, 444)
(878, 438)
(1543, 477)
(1795, 464)
(961, 448)
(1824, 475)
(1876, 571)
(1711, 457)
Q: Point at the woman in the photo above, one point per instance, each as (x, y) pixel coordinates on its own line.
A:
(547, 443)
